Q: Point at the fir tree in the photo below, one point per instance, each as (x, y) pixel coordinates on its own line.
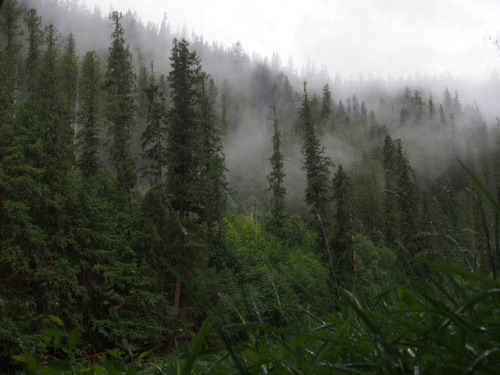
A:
(326, 103)
(154, 136)
(10, 30)
(183, 140)
(119, 85)
(183, 143)
(275, 179)
(214, 187)
(69, 78)
(52, 116)
(400, 201)
(35, 38)
(316, 167)
(90, 83)
(343, 233)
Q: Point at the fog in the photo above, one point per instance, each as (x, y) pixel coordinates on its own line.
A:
(352, 38)
(374, 51)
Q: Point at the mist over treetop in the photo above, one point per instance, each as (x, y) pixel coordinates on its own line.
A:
(165, 194)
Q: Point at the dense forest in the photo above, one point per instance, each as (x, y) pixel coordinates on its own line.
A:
(160, 193)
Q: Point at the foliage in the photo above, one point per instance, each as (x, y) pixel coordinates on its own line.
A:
(86, 237)
(276, 180)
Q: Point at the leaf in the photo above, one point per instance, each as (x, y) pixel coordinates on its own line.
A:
(113, 353)
(56, 320)
(143, 354)
(205, 327)
(54, 332)
(18, 357)
(131, 370)
(72, 339)
(59, 366)
(481, 187)
(31, 361)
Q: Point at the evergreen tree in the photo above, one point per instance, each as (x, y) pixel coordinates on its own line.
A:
(35, 38)
(275, 179)
(214, 187)
(154, 136)
(10, 30)
(69, 78)
(52, 116)
(183, 143)
(342, 244)
(364, 115)
(391, 212)
(400, 201)
(316, 166)
(119, 85)
(326, 103)
(431, 108)
(90, 83)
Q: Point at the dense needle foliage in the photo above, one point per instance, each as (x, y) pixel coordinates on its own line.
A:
(190, 217)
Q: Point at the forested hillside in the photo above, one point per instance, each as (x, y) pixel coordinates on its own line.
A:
(151, 180)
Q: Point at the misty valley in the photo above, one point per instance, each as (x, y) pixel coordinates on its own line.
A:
(170, 205)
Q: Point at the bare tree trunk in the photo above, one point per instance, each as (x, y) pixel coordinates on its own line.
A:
(178, 284)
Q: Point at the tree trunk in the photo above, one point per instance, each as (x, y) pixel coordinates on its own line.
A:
(177, 295)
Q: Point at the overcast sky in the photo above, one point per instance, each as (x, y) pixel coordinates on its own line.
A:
(350, 37)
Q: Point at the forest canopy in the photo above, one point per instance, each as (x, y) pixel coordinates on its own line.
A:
(153, 184)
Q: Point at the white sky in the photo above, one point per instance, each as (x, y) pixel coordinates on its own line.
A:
(350, 37)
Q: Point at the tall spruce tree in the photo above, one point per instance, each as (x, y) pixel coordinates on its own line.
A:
(326, 103)
(183, 140)
(275, 179)
(68, 79)
(35, 39)
(119, 85)
(10, 31)
(400, 201)
(214, 186)
(90, 83)
(52, 116)
(316, 166)
(155, 134)
(183, 144)
(343, 233)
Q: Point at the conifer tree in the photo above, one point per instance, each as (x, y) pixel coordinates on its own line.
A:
(10, 30)
(154, 136)
(90, 83)
(364, 115)
(183, 142)
(400, 201)
(214, 187)
(35, 38)
(316, 167)
(275, 179)
(69, 78)
(343, 233)
(119, 85)
(315, 164)
(52, 115)
(326, 103)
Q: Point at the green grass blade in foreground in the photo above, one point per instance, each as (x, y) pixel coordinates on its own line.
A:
(205, 327)
(481, 187)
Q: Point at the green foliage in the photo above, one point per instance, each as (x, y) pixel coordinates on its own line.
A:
(77, 243)
(90, 82)
(63, 359)
(119, 84)
(276, 180)
(315, 164)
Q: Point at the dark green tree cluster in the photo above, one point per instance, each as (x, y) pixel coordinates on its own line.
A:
(116, 187)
